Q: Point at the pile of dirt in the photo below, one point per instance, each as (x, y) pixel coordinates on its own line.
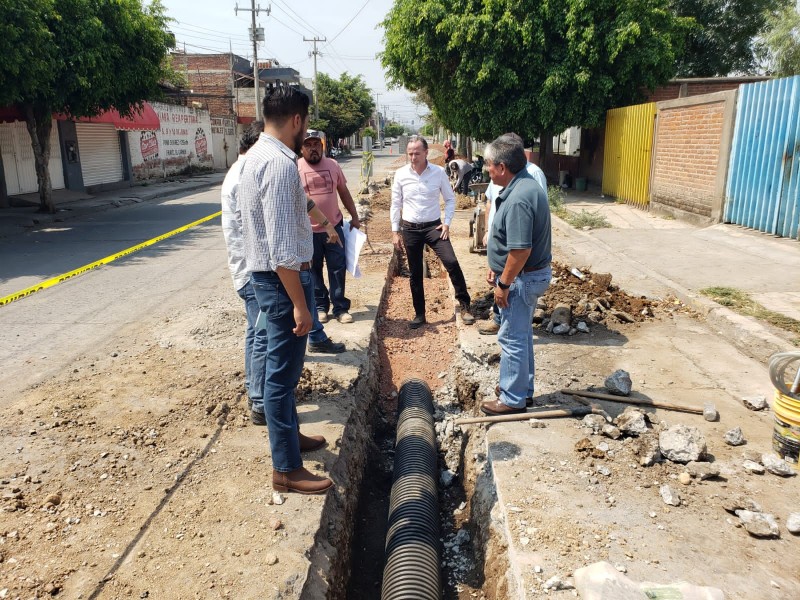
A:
(592, 298)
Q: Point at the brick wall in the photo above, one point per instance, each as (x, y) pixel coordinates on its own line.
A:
(209, 75)
(698, 87)
(690, 149)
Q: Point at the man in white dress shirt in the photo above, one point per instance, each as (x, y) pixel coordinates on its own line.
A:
(417, 221)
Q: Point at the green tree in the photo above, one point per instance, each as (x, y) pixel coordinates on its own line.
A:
(526, 65)
(724, 37)
(79, 58)
(426, 130)
(393, 129)
(344, 103)
(781, 42)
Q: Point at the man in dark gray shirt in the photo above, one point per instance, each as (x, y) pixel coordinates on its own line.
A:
(519, 266)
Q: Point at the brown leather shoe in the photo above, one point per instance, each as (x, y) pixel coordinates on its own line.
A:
(300, 480)
(528, 400)
(309, 443)
(495, 407)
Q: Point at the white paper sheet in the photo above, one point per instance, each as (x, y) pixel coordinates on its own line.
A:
(353, 243)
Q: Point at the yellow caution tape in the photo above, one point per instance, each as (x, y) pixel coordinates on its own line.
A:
(103, 261)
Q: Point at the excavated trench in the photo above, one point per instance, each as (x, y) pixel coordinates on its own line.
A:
(465, 488)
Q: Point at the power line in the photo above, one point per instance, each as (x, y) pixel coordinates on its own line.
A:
(347, 24)
(213, 33)
(289, 11)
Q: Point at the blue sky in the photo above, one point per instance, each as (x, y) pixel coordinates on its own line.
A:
(351, 28)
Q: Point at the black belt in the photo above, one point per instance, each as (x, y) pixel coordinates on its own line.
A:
(306, 266)
(428, 225)
(533, 269)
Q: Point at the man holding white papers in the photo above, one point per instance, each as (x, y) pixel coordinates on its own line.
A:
(324, 182)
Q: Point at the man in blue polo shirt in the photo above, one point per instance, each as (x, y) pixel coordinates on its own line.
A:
(519, 265)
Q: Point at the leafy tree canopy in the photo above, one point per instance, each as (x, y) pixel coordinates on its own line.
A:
(344, 103)
(78, 57)
(393, 130)
(490, 66)
(724, 38)
(782, 42)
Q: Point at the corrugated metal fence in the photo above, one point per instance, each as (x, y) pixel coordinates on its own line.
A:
(628, 148)
(763, 189)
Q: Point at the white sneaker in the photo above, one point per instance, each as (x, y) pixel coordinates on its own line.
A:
(345, 317)
(322, 316)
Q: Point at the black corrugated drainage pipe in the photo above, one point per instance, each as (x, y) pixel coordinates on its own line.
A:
(412, 542)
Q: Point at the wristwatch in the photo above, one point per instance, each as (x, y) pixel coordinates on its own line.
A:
(502, 285)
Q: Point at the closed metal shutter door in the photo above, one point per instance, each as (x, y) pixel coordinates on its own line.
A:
(98, 145)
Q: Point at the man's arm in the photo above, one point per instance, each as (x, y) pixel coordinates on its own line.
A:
(347, 200)
(515, 262)
(449, 206)
(302, 317)
(396, 211)
(319, 217)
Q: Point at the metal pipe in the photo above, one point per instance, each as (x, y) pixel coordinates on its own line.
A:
(412, 540)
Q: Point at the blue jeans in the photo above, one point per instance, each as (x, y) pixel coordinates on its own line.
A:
(334, 256)
(285, 355)
(255, 349)
(516, 337)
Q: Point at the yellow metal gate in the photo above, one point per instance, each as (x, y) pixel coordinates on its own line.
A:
(628, 149)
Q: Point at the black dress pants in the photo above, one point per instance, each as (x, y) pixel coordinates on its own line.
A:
(415, 241)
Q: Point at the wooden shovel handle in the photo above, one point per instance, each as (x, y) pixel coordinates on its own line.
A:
(628, 400)
(526, 416)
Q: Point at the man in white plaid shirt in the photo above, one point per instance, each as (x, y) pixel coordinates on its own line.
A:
(278, 248)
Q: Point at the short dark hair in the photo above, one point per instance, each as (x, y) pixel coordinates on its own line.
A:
(282, 102)
(250, 136)
(508, 151)
(419, 138)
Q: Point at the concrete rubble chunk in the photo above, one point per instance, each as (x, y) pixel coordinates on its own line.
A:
(669, 496)
(603, 581)
(582, 327)
(555, 583)
(610, 431)
(757, 524)
(793, 523)
(739, 502)
(734, 437)
(594, 422)
(562, 315)
(622, 316)
(753, 467)
(632, 421)
(648, 450)
(682, 444)
(619, 383)
(755, 402)
(777, 466)
(710, 412)
(538, 316)
(702, 470)
(561, 329)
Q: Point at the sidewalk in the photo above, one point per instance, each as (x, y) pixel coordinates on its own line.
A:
(654, 256)
(71, 204)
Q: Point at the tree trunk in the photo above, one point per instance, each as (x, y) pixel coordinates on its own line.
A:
(40, 123)
(462, 146)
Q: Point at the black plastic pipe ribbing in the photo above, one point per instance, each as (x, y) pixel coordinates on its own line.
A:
(412, 541)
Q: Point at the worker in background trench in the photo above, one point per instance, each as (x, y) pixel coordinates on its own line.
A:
(519, 255)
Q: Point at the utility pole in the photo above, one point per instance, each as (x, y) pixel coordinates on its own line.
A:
(257, 35)
(315, 53)
(377, 118)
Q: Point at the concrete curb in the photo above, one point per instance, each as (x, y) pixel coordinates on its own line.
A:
(748, 335)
